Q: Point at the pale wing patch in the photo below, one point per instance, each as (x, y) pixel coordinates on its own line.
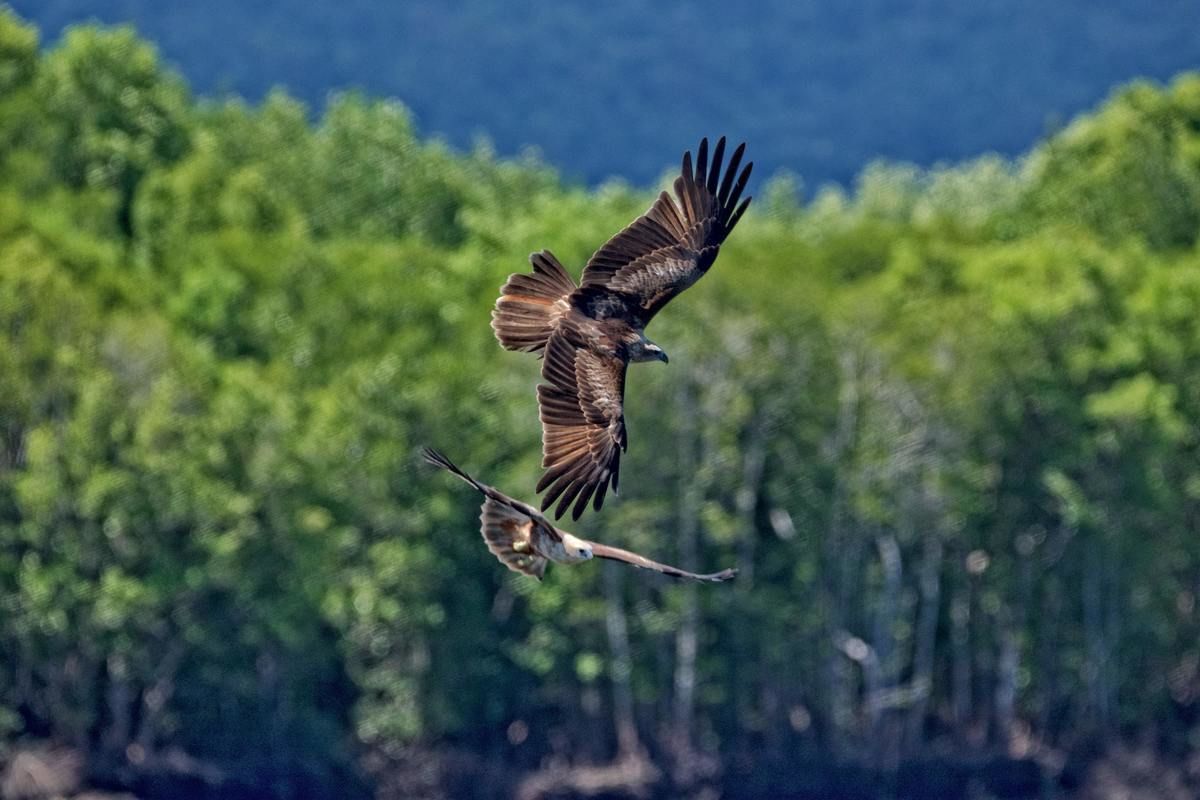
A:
(601, 382)
(508, 534)
(659, 229)
(652, 279)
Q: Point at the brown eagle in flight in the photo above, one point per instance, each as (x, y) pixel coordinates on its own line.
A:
(588, 334)
(525, 541)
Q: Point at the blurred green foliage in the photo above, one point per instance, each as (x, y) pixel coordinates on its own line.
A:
(945, 425)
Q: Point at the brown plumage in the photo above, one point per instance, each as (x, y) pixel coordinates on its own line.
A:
(525, 541)
(588, 334)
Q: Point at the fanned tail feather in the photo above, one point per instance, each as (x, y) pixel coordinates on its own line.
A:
(530, 306)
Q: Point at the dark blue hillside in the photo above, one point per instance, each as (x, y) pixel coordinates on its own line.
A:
(616, 88)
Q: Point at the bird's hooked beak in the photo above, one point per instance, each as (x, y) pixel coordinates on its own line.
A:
(642, 349)
(662, 355)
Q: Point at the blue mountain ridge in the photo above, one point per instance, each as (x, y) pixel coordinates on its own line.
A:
(617, 89)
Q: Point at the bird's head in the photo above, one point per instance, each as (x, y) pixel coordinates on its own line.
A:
(576, 549)
(642, 349)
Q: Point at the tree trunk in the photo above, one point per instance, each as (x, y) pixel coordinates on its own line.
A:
(753, 464)
(686, 637)
(926, 639)
(749, 689)
(1097, 648)
(622, 663)
(1049, 653)
(838, 673)
(882, 678)
(960, 644)
(119, 698)
(1006, 679)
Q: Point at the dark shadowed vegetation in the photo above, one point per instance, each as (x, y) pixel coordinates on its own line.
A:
(945, 424)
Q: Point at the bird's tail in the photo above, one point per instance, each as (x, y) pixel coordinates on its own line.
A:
(439, 460)
(530, 305)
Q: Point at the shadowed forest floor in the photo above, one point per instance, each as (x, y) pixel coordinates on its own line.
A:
(1120, 774)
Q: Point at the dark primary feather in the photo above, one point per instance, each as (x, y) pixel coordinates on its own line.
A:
(673, 244)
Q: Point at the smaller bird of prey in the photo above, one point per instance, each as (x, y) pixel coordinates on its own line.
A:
(588, 334)
(525, 541)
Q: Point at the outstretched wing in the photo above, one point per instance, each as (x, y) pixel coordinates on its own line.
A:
(583, 424)
(617, 554)
(672, 245)
(509, 536)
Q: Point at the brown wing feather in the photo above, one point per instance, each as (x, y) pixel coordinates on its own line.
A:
(508, 534)
(617, 554)
(673, 244)
(583, 425)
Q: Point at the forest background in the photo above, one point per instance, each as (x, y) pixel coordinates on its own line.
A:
(944, 421)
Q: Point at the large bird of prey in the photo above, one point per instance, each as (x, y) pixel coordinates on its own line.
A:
(588, 334)
(525, 541)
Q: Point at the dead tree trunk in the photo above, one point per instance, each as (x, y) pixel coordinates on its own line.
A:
(838, 673)
(960, 651)
(1097, 646)
(686, 637)
(1005, 696)
(622, 663)
(753, 686)
(753, 465)
(881, 691)
(926, 638)
(1049, 658)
